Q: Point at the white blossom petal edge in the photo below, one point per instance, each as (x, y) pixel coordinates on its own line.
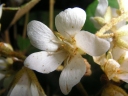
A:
(101, 8)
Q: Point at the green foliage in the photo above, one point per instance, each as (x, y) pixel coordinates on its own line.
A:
(90, 11)
(113, 3)
(23, 43)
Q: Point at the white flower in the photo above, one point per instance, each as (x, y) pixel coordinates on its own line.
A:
(121, 37)
(104, 14)
(123, 5)
(114, 66)
(25, 85)
(67, 47)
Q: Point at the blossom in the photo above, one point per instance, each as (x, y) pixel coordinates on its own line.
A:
(104, 13)
(66, 47)
(26, 84)
(114, 64)
(123, 6)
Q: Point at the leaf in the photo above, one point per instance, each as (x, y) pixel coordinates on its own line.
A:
(113, 3)
(11, 15)
(90, 11)
(23, 43)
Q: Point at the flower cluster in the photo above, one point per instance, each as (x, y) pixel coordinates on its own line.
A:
(114, 27)
(64, 47)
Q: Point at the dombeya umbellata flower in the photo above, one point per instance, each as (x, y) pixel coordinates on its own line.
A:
(67, 47)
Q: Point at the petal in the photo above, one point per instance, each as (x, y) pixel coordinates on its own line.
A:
(122, 33)
(96, 24)
(70, 21)
(108, 15)
(120, 24)
(45, 62)
(124, 29)
(34, 90)
(123, 4)
(91, 44)
(21, 88)
(41, 36)
(101, 8)
(123, 77)
(124, 64)
(72, 73)
(101, 60)
(114, 12)
(110, 68)
(1, 6)
(117, 52)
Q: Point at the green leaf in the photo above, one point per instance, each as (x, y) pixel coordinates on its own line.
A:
(90, 11)
(113, 3)
(23, 43)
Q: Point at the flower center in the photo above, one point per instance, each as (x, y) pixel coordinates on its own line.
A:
(68, 45)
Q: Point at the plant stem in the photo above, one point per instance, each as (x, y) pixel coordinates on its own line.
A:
(51, 7)
(81, 89)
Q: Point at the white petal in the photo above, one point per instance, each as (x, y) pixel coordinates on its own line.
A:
(123, 5)
(123, 77)
(70, 21)
(1, 6)
(101, 60)
(111, 67)
(123, 28)
(120, 24)
(117, 52)
(96, 24)
(101, 8)
(34, 90)
(114, 12)
(41, 36)
(72, 73)
(91, 44)
(45, 62)
(21, 88)
(124, 64)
